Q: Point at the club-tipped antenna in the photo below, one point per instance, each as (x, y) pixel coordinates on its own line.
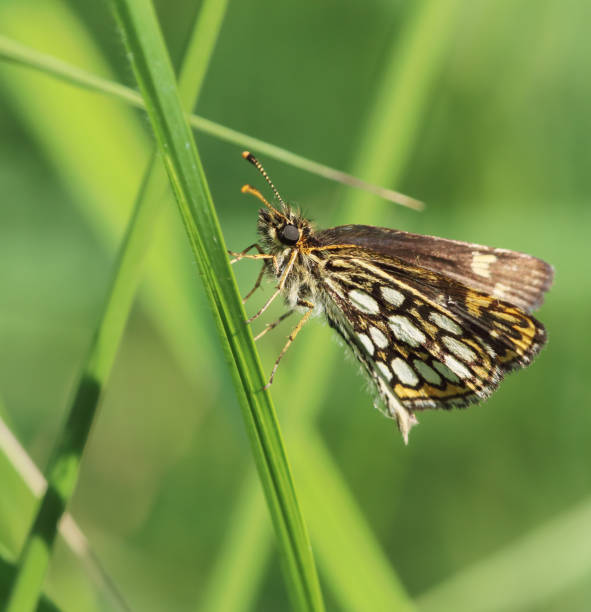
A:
(259, 196)
(248, 156)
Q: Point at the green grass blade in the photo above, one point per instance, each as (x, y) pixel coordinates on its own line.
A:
(65, 463)
(7, 572)
(155, 77)
(13, 51)
(199, 50)
(533, 570)
(26, 484)
(346, 545)
(235, 579)
(405, 89)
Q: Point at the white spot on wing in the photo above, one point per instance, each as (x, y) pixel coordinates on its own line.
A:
(363, 301)
(427, 372)
(489, 350)
(383, 368)
(405, 331)
(406, 375)
(456, 367)
(395, 297)
(367, 343)
(445, 323)
(459, 349)
(481, 263)
(335, 287)
(378, 337)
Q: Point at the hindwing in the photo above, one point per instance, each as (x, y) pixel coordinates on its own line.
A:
(425, 339)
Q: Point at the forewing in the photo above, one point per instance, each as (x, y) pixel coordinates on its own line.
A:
(511, 276)
(426, 340)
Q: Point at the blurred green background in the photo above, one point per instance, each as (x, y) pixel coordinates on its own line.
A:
(480, 109)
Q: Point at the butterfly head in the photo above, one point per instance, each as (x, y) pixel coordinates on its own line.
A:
(282, 231)
(279, 229)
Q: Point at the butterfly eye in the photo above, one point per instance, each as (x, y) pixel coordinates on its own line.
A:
(289, 234)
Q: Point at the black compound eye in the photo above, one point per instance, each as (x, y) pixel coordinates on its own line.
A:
(289, 234)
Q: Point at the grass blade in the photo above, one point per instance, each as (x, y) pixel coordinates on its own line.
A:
(32, 485)
(64, 465)
(7, 571)
(235, 579)
(155, 77)
(342, 543)
(12, 51)
(533, 570)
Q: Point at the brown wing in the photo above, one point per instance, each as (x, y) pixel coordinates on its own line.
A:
(513, 277)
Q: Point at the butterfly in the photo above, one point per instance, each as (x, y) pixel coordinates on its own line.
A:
(435, 323)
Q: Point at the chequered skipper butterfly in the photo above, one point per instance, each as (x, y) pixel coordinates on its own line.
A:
(435, 323)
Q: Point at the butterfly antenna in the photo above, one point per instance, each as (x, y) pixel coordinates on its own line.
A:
(247, 155)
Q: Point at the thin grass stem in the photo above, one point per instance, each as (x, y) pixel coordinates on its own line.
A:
(12, 51)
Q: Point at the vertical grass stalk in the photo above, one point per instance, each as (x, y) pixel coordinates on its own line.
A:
(156, 80)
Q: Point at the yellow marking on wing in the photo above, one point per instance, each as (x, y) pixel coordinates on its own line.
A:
(480, 350)
(508, 356)
(476, 301)
(481, 372)
(430, 328)
(404, 352)
(426, 391)
(523, 325)
(506, 316)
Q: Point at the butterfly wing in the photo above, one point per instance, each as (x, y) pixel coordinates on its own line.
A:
(514, 277)
(425, 339)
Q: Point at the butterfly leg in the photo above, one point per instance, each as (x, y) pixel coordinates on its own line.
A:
(280, 286)
(273, 325)
(244, 254)
(291, 337)
(261, 255)
(256, 285)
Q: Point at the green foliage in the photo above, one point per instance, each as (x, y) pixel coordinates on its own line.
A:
(7, 571)
(478, 109)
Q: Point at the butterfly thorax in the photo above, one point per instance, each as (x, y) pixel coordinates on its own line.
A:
(281, 236)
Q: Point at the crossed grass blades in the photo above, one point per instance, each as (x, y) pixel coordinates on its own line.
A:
(435, 323)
